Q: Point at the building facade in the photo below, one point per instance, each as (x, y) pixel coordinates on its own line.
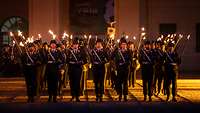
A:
(157, 16)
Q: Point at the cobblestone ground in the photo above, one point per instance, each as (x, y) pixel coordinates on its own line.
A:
(13, 90)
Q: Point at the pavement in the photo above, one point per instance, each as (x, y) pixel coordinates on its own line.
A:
(13, 99)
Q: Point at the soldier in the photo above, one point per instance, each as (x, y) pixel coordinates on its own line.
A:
(39, 67)
(76, 58)
(159, 67)
(122, 58)
(172, 61)
(62, 68)
(52, 68)
(132, 70)
(146, 62)
(30, 60)
(98, 58)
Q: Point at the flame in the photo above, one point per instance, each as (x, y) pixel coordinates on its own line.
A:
(65, 35)
(118, 40)
(126, 36)
(143, 29)
(85, 36)
(188, 37)
(134, 38)
(90, 36)
(19, 33)
(11, 34)
(71, 37)
(143, 34)
(21, 44)
(39, 36)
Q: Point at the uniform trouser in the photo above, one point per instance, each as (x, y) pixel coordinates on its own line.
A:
(122, 80)
(158, 77)
(52, 79)
(39, 70)
(75, 72)
(172, 74)
(43, 77)
(147, 79)
(30, 78)
(132, 76)
(98, 74)
(61, 78)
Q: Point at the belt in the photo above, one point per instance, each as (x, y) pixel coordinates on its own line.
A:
(121, 64)
(50, 62)
(174, 64)
(97, 63)
(71, 62)
(145, 63)
(28, 64)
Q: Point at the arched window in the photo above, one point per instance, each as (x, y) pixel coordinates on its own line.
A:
(12, 24)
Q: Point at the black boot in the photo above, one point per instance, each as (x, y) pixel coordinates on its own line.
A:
(55, 99)
(150, 99)
(167, 98)
(50, 99)
(77, 99)
(125, 98)
(174, 99)
(120, 98)
(72, 98)
(145, 97)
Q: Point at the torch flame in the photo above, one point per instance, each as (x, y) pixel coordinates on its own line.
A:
(134, 38)
(118, 40)
(85, 36)
(39, 36)
(126, 36)
(71, 37)
(11, 34)
(143, 29)
(19, 33)
(188, 37)
(21, 44)
(90, 36)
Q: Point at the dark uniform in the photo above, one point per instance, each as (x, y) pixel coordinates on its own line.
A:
(133, 66)
(172, 61)
(54, 59)
(159, 68)
(62, 69)
(29, 60)
(98, 58)
(76, 58)
(122, 58)
(146, 62)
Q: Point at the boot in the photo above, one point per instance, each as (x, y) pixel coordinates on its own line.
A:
(125, 98)
(55, 99)
(120, 98)
(150, 99)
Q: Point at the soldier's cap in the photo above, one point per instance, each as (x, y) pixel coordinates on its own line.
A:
(53, 41)
(99, 40)
(58, 45)
(45, 43)
(147, 42)
(123, 40)
(30, 45)
(170, 44)
(75, 40)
